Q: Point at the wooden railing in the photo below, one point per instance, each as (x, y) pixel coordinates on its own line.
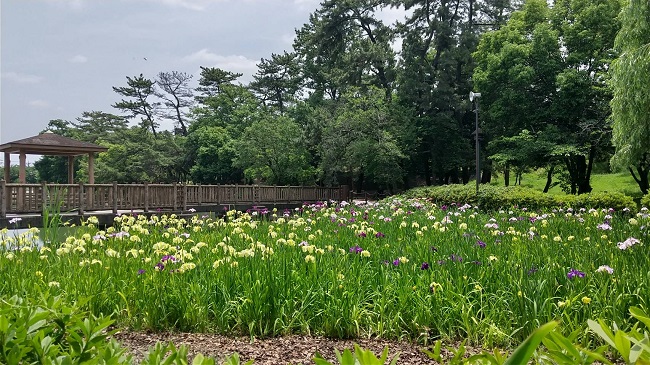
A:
(31, 198)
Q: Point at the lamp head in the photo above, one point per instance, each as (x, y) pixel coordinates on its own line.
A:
(473, 95)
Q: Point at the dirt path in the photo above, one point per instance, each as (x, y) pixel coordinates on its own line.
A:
(273, 351)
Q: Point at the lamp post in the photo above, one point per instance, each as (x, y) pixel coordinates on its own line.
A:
(473, 97)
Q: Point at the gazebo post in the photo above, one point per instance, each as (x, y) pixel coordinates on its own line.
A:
(91, 179)
(21, 170)
(70, 169)
(91, 168)
(7, 167)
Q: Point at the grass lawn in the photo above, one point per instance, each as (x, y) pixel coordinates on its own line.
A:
(615, 182)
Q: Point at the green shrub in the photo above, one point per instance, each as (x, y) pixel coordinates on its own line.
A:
(50, 331)
(499, 197)
(645, 201)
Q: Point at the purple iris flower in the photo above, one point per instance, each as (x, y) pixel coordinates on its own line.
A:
(573, 273)
(480, 244)
(356, 249)
(425, 266)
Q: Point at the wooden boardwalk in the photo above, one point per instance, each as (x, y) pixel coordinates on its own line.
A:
(82, 198)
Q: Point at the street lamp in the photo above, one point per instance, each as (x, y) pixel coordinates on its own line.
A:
(473, 97)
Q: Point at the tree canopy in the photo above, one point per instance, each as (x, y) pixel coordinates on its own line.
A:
(381, 106)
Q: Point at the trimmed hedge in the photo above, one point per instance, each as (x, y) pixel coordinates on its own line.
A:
(500, 197)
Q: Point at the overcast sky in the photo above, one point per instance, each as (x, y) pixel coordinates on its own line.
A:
(62, 57)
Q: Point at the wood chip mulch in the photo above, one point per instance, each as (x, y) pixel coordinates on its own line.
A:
(293, 349)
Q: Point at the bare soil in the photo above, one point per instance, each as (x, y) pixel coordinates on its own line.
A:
(272, 351)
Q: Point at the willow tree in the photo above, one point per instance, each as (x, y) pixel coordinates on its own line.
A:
(630, 78)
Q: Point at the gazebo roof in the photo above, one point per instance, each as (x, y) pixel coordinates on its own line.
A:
(49, 143)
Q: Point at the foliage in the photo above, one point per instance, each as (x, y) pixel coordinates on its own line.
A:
(272, 150)
(645, 201)
(360, 141)
(31, 174)
(537, 73)
(52, 217)
(138, 92)
(632, 346)
(49, 331)
(419, 271)
(630, 72)
(494, 198)
(360, 356)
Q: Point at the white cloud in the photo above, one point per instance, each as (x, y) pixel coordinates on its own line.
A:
(306, 4)
(21, 78)
(38, 103)
(78, 59)
(198, 5)
(233, 63)
(289, 38)
(72, 4)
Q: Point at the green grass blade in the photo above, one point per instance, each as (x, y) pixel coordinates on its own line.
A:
(525, 351)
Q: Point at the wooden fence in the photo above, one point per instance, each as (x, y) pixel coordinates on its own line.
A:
(31, 198)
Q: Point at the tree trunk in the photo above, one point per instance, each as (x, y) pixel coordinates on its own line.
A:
(506, 175)
(642, 179)
(486, 177)
(466, 174)
(586, 165)
(427, 171)
(549, 178)
(360, 182)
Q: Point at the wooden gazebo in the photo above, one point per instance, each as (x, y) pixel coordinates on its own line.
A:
(50, 144)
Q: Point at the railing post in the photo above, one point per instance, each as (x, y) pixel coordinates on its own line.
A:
(345, 193)
(275, 194)
(175, 196)
(146, 196)
(81, 199)
(114, 197)
(3, 198)
(184, 196)
(43, 196)
(236, 195)
(199, 194)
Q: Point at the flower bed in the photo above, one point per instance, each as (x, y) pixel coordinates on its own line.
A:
(398, 269)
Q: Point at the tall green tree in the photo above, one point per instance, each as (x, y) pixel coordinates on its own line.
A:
(631, 101)
(360, 145)
(212, 81)
(138, 93)
(224, 112)
(272, 151)
(433, 83)
(277, 81)
(54, 169)
(538, 73)
(586, 31)
(346, 45)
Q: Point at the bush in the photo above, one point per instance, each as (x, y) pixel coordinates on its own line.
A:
(499, 197)
(645, 201)
(48, 329)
